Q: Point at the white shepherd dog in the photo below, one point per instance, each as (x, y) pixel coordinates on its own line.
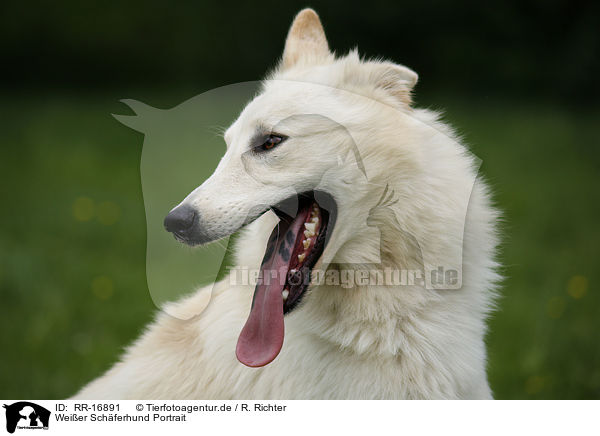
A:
(330, 170)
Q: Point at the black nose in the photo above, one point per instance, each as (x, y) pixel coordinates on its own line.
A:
(180, 219)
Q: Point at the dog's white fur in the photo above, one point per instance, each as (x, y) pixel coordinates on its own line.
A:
(359, 343)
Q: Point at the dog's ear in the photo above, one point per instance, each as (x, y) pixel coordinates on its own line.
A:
(395, 79)
(306, 42)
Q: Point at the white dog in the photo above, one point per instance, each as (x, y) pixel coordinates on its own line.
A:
(330, 169)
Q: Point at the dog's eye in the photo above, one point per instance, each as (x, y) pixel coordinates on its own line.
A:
(271, 142)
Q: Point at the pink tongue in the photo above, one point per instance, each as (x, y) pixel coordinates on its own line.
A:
(261, 338)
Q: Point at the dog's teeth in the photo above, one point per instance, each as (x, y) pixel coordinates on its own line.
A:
(301, 257)
(314, 220)
(308, 234)
(306, 243)
(310, 227)
(285, 293)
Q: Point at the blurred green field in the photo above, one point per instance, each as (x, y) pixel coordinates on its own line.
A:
(72, 242)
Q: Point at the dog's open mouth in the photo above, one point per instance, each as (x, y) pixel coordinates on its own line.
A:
(294, 248)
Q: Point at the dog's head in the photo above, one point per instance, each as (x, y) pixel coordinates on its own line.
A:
(297, 132)
(297, 149)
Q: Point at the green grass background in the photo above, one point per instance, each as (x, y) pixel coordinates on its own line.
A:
(73, 286)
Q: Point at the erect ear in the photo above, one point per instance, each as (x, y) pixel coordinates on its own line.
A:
(306, 43)
(395, 79)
